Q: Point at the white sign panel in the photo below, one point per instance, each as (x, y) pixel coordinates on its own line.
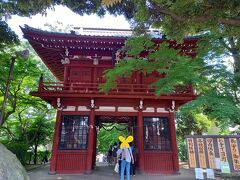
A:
(199, 173)
(225, 167)
(217, 163)
(210, 174)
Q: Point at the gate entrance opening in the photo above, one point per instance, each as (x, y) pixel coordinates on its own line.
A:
(109, 130)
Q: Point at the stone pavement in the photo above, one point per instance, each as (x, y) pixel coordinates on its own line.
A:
(107, 173)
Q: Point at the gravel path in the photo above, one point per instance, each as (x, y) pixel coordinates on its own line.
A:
(106, 173)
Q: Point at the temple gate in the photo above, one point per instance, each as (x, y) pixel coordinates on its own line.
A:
(78, 62)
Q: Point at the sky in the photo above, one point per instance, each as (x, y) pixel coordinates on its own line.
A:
(66, 16)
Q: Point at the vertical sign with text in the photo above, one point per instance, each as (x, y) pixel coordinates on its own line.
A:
(201, 153)
(191, 153)
(222, 149)
(235, 153)
(211, 153)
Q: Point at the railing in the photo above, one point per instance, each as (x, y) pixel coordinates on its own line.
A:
(121, 89)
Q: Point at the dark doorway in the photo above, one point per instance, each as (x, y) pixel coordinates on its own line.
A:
(109, 129)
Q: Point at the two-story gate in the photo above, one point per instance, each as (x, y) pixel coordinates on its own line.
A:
(78, 62)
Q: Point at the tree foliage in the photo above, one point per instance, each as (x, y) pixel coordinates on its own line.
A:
(175, 18)
(27, 130)
(28, 121)
(7, 37)
(109, 135)
(218, 24)
(189, 122)
(164, 60)
(25, 77)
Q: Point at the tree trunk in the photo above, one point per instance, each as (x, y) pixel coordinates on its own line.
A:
(36, 141)
(236, 58)
(35, 152)
(30, 158)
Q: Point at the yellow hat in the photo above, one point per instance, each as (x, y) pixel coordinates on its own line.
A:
(125, 141)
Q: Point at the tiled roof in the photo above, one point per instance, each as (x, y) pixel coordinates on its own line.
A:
(98, 32)
(111, 32)
(102, 32)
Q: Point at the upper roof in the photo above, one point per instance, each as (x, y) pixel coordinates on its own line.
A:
(102, 32)
(53, 47)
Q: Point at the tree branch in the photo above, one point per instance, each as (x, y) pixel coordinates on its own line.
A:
(229, 21)
(171, 14)
(38, 127)
(14, 100)
(35, 134)
(231, 42)
(221, 40)
(23, 125)
(9, 132)
(236, 97)
(157, 10)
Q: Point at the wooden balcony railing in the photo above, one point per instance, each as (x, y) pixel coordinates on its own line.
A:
(93, 88)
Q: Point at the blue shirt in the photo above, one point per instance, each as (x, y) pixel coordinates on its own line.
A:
(128, 152)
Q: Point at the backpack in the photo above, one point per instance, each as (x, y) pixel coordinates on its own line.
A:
(115, 149)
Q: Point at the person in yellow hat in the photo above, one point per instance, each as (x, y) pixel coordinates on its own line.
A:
(127, 156)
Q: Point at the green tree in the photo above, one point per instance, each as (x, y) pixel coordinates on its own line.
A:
(25, 122)
(218, 23)
(26, 130)
(25, 77)
(108, 135)
(7, 37)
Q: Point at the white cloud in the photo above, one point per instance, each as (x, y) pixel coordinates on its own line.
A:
(66, 16)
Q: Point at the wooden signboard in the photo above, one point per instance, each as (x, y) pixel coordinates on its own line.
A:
(211, 153)
(235, 153)
(191, 153)
(222, 149)
(219, 152)
(201, 153)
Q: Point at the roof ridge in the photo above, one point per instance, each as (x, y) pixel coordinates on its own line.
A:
(102, 29)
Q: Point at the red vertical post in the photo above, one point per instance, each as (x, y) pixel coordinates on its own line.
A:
(91, 131)
(66, 74)
(140, 140)
(174, 142)
(53, 162)
(40, 83)
(94, 75)
(94, 149)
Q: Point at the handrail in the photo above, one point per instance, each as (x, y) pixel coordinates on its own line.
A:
(93, 88)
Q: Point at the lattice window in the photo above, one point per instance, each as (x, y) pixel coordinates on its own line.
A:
(74, 132)
(157, 134)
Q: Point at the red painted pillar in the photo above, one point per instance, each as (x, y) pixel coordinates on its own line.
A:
(66, 74)
(53, 162)
(174, 142)
(94, 149)
(140, 140)
(91, 131)
(40, 83)
(94, 75)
